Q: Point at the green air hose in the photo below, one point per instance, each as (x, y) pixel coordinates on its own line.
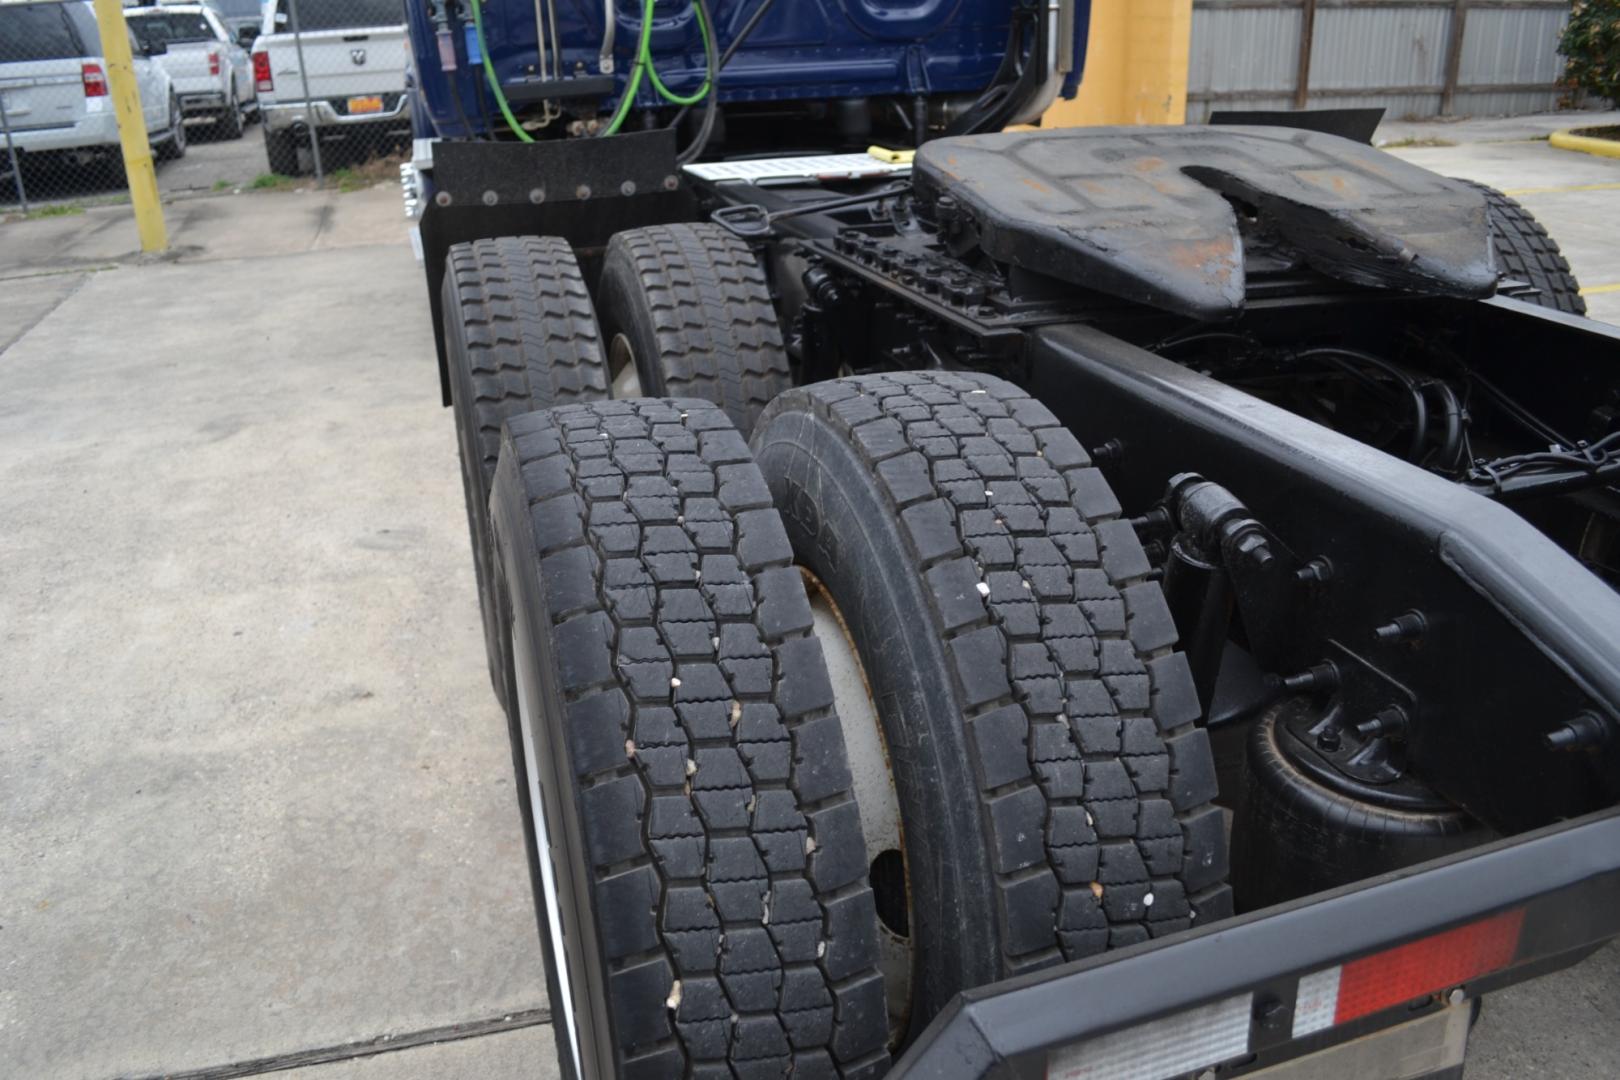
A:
(643, 63)
(489, 73)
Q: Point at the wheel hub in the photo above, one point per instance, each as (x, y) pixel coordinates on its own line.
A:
(624, 379)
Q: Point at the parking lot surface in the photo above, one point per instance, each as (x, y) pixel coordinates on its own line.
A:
(255, 806)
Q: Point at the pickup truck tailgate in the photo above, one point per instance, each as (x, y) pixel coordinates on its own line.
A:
(340, 60)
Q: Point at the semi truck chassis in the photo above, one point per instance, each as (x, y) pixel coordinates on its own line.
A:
(1335, 424)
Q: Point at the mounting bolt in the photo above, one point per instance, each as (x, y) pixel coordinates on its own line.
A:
(582, 192)
(1316, 572)
(1327, 740)
(490, 198)
(1391, 721)
(537, 195)
(628, 188)
(1408, 626)
(1323, 676)
(1584, 731)
(1254, 548)
(671, 182)
(1112, 450)
(442, 198)
(1154, 520)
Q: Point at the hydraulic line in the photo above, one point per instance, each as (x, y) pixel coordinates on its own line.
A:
(731, 50)
(643, 63)
(1341, 357)
(712, 83)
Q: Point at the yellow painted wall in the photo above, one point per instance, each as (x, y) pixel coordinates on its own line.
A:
(1136, 66)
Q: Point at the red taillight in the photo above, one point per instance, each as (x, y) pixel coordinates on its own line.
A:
(95, 81)
(213, 63)
(1405, 973)
(261, 72)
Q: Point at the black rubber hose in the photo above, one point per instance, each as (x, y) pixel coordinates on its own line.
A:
(1451, 447)
(711, 102)
(731, 50)
(1420, 408)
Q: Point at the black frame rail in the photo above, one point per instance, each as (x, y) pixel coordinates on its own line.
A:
(1566, 877)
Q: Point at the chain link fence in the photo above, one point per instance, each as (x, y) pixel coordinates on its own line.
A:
(331, 79)
(322, 80)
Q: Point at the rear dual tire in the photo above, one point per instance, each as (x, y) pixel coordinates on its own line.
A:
(520, 335)
(698, 862)
(1052, 784)
(687, 311)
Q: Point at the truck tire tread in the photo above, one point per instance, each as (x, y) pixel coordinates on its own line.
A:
(1094, 785)
(1526, 251)
(725, 852)
(520, 335)
(702, 292)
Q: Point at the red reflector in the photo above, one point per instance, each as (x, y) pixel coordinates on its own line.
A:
(95, 81)
(1421, 967)
(261, 72)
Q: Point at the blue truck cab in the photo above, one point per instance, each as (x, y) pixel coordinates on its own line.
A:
(806, 73)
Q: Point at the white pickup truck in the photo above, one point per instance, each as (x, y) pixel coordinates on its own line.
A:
(208, 67)
(350, 54)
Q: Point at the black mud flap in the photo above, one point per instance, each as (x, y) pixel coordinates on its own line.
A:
(1151, 214)
(583, 190)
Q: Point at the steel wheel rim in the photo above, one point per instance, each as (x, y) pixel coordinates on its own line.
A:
(624, 378)
(872, 785)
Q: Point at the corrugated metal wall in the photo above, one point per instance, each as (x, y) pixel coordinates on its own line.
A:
(1415, 58)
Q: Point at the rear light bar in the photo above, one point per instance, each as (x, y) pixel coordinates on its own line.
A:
(95, 81)
(1210, 1034)
(1338, 995)
(213, 62)
(261, 73)
(1170, 1046)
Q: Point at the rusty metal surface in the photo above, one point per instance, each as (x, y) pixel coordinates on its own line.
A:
(1143, 213)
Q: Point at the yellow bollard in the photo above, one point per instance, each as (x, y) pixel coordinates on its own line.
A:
(126, 98)
(1136, 66)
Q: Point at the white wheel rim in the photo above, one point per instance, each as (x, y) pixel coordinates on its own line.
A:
(622, 365)
(543, 850)
(872, 783)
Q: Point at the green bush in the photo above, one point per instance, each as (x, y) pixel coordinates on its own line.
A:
(1592, 44)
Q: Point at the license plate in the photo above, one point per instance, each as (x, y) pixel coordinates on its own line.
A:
(370, 103)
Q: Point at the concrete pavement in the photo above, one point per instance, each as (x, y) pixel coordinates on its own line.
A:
(255, 806)
(257, 795)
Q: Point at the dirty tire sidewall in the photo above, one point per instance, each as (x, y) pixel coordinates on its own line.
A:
(883, 483)
(682, 781)
(520, 335)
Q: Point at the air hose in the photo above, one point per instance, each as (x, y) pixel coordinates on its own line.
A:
(489, 73)
(643, 62)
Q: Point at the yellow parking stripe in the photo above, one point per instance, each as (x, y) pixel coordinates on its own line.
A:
(1593, 290)
(1516, 192)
